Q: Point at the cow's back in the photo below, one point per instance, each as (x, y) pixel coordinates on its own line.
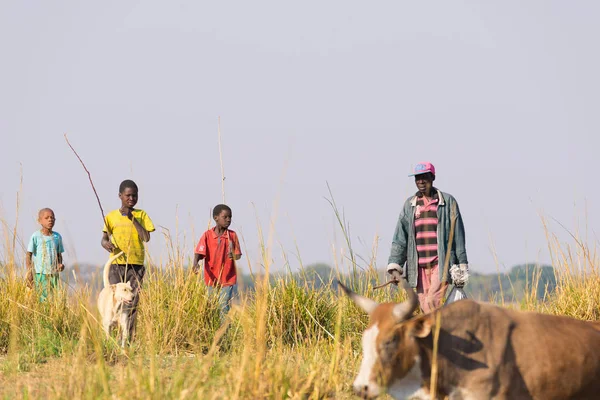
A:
(494, 352)
(559, 357)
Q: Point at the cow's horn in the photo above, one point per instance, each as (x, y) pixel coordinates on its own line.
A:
(404, 310)
(367, 305)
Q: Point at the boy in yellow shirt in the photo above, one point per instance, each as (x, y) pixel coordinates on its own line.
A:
(127, 229)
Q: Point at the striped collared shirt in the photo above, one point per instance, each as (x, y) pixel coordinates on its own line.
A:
(426, 221)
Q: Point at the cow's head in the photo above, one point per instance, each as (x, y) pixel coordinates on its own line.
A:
(390, 352)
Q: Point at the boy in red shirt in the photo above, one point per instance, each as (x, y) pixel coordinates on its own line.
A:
(219, 247)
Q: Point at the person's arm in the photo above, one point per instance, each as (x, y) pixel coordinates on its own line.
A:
(31, 247)
(142, 232)
(106, 231)
(459, 274)
(460, 248)
(60, 265)
(237, 251)
(199, 253)
(106, 243)
(29, 262)
(195, 266)
(59, 250)
(398, 253)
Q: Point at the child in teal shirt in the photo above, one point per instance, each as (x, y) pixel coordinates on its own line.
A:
(44, 252)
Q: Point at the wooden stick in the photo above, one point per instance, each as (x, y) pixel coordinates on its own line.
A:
(385, 284)
(434, 361)
(438, 324)
(89, 177)
(453, 217)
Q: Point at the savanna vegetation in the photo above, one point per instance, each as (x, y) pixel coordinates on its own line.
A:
(291, 336)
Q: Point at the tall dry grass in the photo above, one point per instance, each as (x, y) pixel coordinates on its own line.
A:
(286, 339)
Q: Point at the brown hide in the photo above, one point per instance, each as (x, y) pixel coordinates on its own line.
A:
(493, 352)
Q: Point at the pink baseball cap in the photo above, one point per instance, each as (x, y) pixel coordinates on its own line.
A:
(423, 168)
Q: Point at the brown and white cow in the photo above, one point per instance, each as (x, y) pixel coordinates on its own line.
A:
(484, 352)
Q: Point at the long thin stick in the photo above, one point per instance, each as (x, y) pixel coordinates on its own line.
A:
(434, 361)
(90, 178)
(438, 315)
(453, 217)
(385, 284)
(221, 160)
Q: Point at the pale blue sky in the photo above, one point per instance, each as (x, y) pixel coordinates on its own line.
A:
(502, 97)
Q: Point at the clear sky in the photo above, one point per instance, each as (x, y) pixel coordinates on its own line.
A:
(502, 97)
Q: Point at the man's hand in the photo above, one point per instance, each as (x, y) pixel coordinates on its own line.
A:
(459, 275)
(396, 276)
(195, 269)
(396, 271)
(60, 267)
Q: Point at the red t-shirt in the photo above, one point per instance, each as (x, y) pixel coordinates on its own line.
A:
(219, 267)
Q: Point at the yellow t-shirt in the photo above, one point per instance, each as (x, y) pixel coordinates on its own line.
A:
(125, 237)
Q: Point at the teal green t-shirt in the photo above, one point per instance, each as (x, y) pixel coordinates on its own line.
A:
(45, 250)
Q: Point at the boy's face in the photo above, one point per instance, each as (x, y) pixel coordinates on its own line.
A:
(129, 197)
(46, 219)
(223, 220)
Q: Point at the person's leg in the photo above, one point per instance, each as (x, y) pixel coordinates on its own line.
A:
(438, 296)
(224, 295)
(423, 285)
(53, 280)
(135, 276)
(116, 274)
(437, 290)
(213, 291)
(41, 285)
(225, 299)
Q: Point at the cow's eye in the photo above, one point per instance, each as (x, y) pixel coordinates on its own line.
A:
(388, 347)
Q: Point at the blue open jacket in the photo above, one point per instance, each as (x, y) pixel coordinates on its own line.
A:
(404, 247)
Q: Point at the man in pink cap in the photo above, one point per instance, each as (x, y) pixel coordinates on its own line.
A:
(420, 242)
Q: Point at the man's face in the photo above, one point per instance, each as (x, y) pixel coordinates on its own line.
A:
(424, 182)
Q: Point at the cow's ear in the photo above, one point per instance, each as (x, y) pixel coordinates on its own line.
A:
(422, 327)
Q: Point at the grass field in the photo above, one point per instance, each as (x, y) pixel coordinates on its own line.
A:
(284, 340)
